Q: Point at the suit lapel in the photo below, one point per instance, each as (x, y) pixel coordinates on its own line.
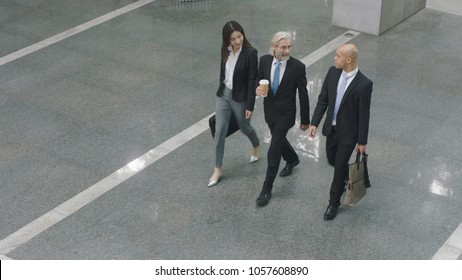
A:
(270, 65)
(286, 72)
(333, 93)
(268, 62)
(240, 59)
(350, 87)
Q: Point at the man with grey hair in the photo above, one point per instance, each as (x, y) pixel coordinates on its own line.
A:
(287, 76)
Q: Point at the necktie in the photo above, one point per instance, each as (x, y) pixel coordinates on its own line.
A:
(341, 88)
(275, 84)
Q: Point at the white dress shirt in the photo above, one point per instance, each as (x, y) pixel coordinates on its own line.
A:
(229, 67)
(349, 76)
(282, 69)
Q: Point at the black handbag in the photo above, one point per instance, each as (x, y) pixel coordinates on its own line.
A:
(232, 127)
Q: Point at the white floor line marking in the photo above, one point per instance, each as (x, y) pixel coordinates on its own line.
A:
(452, 248)
(80, 200)
(4, 258)
(70, 206)
(71, 32)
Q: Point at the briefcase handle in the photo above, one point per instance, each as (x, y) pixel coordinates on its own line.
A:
(358, 158)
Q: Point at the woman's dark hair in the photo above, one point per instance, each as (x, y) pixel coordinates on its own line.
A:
(228, 29)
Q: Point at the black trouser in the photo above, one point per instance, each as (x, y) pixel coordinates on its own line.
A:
(338, 156)
(279, 147)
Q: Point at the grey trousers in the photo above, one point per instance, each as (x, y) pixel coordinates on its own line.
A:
(223, 106)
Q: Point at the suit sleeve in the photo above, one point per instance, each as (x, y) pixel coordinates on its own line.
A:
(260, 74)
(323, 102)
(303, 96)
(253, 70)
(222, 78)
(364, 114)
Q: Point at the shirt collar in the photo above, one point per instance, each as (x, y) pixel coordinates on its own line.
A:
(230, 48)
(352, 73)
(283, 62)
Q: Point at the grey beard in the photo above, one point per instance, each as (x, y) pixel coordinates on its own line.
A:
(284, 58)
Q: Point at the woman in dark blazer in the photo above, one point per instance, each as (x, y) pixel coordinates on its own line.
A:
(236, 92)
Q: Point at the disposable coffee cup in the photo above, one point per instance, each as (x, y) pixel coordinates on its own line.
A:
(264, 87)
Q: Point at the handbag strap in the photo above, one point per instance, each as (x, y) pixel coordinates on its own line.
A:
(358, 159)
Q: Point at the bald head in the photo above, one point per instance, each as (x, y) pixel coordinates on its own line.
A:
(351, 51)
(346, 57)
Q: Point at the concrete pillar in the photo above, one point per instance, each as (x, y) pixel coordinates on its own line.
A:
(373, 16)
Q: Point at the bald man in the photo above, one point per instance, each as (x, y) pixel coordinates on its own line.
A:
(346, 96)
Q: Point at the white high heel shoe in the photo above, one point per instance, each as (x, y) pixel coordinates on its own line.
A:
(214, 179)
(213, 182)
(255, 154)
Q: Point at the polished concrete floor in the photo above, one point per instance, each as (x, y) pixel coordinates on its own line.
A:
(106, 153)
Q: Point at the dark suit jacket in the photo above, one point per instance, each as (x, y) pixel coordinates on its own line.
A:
(245, 73)
(280, 110)
(353, 115)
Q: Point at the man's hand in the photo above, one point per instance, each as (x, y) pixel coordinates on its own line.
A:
(304, 126)
(361, 149)
(312, 131)
(258, 91)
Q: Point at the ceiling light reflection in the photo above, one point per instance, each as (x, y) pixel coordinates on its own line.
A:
(137, 165)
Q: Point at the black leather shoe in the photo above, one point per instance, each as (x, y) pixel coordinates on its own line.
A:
(331, 212)
(287, 170)
(263, 199)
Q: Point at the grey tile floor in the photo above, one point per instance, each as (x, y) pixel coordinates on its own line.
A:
(79, 110)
